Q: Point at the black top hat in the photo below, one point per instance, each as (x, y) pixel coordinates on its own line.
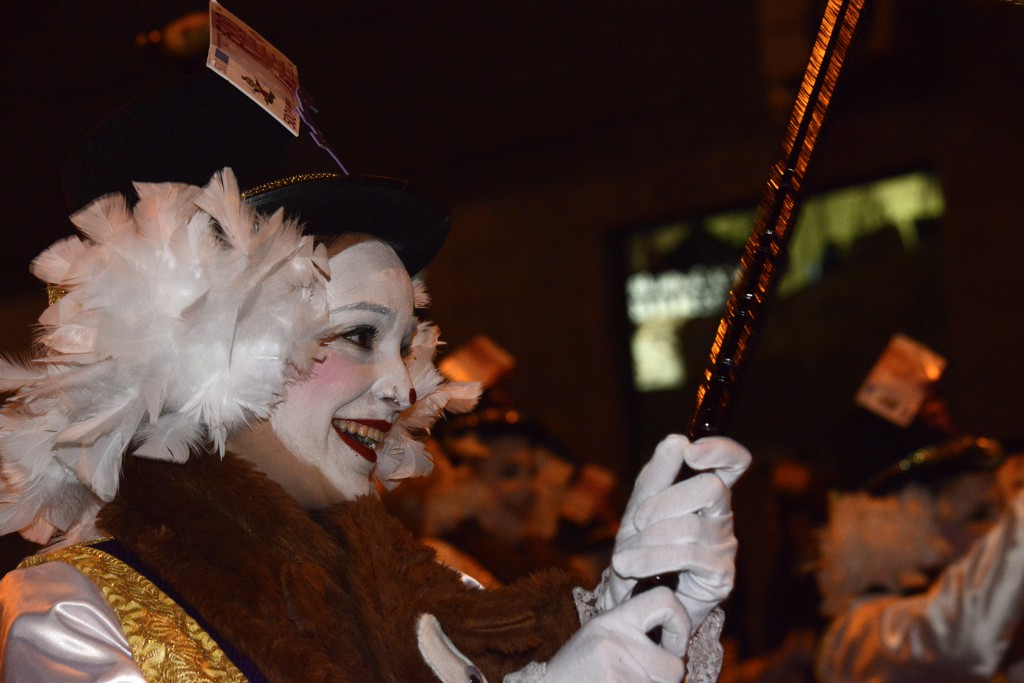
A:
(195, 126)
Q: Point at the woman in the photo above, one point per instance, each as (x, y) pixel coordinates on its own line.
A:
(217, 394)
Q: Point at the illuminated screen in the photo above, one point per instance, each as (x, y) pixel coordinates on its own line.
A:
(682, 270)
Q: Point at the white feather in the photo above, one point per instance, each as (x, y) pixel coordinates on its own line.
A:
(71, 339)
(52, 265)
(159, 301)
(463, 396)
(58, 312)
(220, 198)
(23, 436)
(169, 439)
(403, 455)
(14, 375)
(421, 297)
(85, 432)
(104, 220)
(168, 206)
(39, 530)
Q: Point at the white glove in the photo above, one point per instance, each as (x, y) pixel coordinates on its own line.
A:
(614, 646)
(684, 528)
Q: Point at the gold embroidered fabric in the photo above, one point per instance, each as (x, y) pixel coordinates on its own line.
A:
(167, 644)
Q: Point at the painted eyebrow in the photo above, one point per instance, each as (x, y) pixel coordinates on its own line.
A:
(364, 306)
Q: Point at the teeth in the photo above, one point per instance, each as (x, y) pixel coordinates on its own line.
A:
(367, 436)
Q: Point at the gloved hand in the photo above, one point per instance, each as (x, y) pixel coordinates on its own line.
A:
(684, 528)
(614, 646)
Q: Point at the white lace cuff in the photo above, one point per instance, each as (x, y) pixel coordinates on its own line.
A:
(704, 653)
(587, 601)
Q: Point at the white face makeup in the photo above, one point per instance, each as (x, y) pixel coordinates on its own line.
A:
(330, 423)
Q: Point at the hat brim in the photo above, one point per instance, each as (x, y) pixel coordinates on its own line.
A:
(195, 126)
(413, 223)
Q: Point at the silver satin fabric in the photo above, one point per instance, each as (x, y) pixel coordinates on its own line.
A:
(56, 626)
(959, 630)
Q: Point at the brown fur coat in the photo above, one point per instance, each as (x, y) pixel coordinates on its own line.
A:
(328, 597)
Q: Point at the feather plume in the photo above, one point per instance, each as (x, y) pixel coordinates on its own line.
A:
(184, 318)
(171, 438)
(105, 220)
(221, 200)
(403, 454)
(87, 431)
(190, 309)
(421, 297)
(14, 375)
(165, 208)
(54, 263)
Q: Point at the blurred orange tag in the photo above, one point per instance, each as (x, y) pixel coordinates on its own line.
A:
(478, 360)
(901, 380)
(254, 66)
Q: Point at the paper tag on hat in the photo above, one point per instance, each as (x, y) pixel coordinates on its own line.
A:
(254, 66)
(900, 380)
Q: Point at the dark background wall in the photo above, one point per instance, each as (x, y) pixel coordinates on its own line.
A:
(550, 127)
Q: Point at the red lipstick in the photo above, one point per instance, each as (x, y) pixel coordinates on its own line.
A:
(359, 447)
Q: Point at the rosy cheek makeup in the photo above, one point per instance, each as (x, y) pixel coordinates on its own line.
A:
(337, 379)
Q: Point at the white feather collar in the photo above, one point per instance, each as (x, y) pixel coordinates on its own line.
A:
(172, 332)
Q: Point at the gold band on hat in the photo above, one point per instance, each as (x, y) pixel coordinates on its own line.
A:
(54, 293)
(285, 182)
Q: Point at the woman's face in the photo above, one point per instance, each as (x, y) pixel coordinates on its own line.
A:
(330, 423)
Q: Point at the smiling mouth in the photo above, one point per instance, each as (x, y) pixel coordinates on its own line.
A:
(362, 436)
